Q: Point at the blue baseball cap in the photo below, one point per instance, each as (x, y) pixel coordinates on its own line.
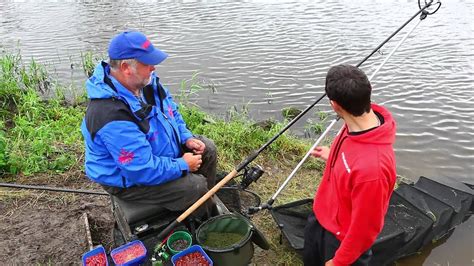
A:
(135, 45)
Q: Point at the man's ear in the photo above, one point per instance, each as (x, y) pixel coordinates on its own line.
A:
(125, 68)
(334, 105)
(337, 108)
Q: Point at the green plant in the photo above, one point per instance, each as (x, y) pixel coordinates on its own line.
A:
(10, 91)
(35, 77)
(43, 135)
(236, 138)
(89, 60)
(3, 149)
(188, 88)
(317, 127)
(290, 112)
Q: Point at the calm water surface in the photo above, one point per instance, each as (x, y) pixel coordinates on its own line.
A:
(262, 56)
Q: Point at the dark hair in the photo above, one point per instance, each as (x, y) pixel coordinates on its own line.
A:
(350, 88)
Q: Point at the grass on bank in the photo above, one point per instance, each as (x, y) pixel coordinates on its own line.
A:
(41, 135)
(36, 135)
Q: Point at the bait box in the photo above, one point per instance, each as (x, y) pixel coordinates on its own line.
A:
(194, 248)
(98, 250)
(134, 261)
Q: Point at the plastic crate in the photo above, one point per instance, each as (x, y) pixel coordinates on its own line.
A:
(130, 260)
(191, 249)
(98, 251)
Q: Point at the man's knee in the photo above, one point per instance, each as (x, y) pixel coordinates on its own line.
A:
(211, 149)
(199, 184)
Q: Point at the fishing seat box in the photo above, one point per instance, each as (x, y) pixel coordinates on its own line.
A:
(142, 221)
(135, 220)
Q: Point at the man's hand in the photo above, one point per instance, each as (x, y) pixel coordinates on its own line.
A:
(321, 152)
(193, 161)
(195, 145)
(329, 263)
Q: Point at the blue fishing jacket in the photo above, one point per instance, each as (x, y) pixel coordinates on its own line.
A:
(129, 143)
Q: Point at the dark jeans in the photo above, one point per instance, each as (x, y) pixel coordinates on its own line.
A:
(179, 194)
(321, 245)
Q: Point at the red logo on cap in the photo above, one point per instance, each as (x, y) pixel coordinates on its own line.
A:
(146, 44)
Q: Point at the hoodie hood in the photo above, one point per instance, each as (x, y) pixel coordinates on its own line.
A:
(383, 135)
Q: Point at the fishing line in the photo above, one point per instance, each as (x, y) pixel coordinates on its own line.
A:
(270, 202)
(254, 154)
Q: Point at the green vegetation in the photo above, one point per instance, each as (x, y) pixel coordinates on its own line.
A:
(290, 113)
(43, 135)
(89, 61)
(3, 146)
(317, 127)
(36, 135)
(237, 138)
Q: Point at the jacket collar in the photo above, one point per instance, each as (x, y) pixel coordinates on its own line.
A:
(140, 110)
(384, 134)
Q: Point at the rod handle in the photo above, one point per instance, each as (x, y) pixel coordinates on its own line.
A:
(206, 196)
(163, 234)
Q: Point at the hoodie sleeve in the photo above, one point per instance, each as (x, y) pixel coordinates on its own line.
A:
(133, 155)
(369, 201)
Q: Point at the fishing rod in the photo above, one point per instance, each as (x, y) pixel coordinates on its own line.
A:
(254, 154)
(80, 191)
(270, 202)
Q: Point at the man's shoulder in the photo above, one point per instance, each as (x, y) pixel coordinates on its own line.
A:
(100, 112)
(110, 108)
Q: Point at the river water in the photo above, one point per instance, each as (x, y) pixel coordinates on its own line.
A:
(262, 56)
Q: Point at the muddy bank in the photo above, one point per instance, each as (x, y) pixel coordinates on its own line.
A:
(48, 228)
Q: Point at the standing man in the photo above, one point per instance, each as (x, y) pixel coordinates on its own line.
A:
(137, 144)
(352, 199)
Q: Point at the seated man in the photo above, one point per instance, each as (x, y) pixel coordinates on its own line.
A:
(137, 144)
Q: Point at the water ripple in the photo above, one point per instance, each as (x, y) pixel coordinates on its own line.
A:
(267, 55)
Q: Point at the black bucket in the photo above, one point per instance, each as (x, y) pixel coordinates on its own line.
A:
(235, 235)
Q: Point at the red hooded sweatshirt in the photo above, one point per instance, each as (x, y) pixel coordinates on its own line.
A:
(358, 181)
